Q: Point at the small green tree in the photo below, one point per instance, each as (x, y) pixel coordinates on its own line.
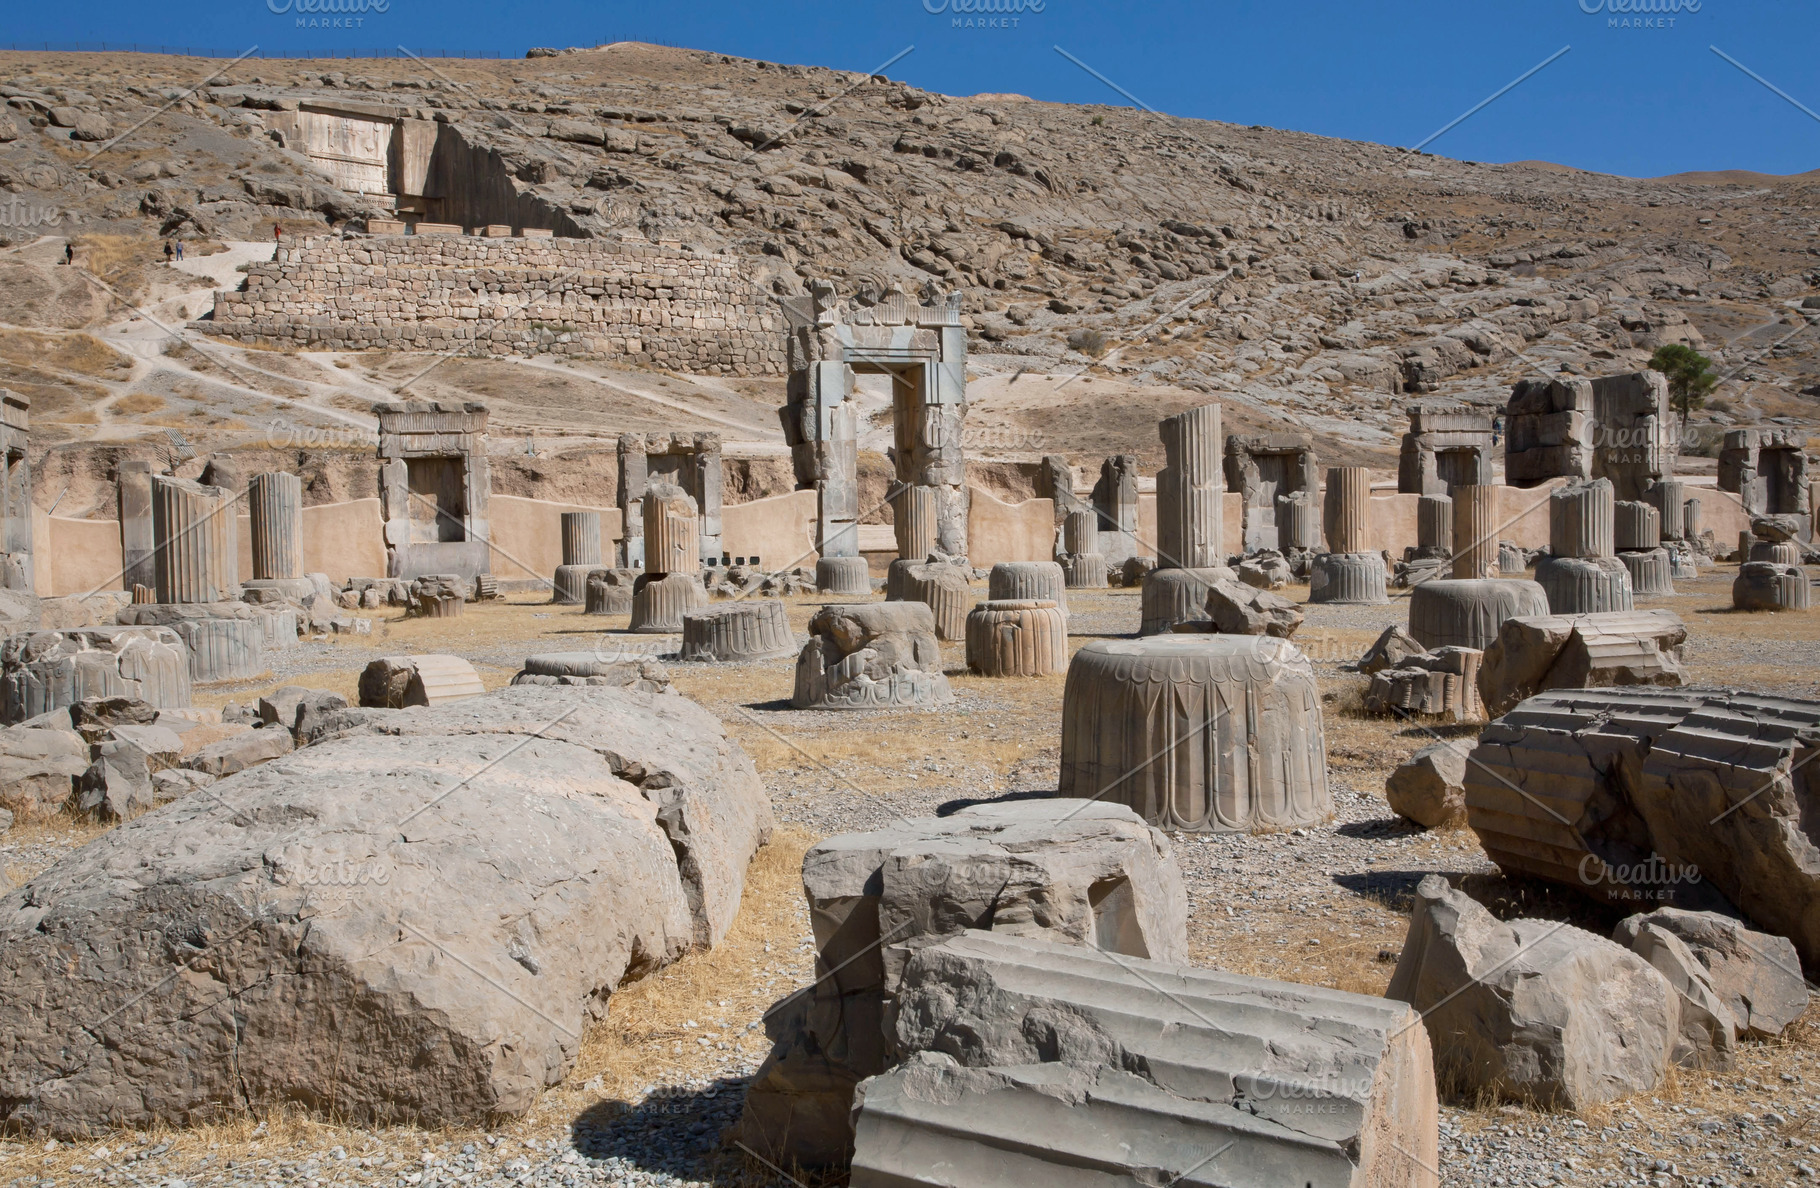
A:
(1689, 373)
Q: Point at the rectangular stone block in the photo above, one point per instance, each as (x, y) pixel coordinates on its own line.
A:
(1030, 1062)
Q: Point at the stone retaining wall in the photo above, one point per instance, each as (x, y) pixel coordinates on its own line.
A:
(653, 304)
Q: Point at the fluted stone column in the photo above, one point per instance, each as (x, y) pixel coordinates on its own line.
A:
(672, 530)
(1582, 520)
(1298, 522)
(580, 557)
(1434, 523)
(913, 517)
(1188, 490)
(275, 499)
(1475, 532)
(1669, 498)
(195, 555)
(1348, 510)
(1635, 525)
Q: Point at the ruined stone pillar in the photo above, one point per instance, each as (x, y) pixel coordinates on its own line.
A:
(1582, 520)
(275, 499)
(672, 530)
(580, 557)
(1669, 498)
(1475, 531)
(1081, 531)
(631, 499)
(708, 482)
(1188, 490)
(1082, 561)
(1298, 522)
(914, 519)
(581, 538)
(196, 556)
(1347, 511)
(1115, 497)
(135, 512)
(1434, 522)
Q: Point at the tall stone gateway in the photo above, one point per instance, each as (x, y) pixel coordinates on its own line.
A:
(1616, 427)
(15, 492)
(1271, 473)
(433, 487)
(923, 348)
(1448, 445)
(691, 461)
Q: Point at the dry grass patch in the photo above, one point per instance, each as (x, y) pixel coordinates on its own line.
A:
(135, 403)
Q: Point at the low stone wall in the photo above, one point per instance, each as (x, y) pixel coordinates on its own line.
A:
(779, 531)
(999, 531)
(642, 303)
(527, 535)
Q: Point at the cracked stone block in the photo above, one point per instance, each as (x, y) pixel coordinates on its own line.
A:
(1037, 1063)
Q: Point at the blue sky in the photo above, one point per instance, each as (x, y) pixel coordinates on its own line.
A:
(1639, 100)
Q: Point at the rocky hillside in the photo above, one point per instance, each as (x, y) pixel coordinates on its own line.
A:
(1322, 281)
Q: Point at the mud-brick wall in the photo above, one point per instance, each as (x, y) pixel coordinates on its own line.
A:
(634, 302)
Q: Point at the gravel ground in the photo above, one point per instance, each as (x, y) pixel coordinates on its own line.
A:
(1326, 904)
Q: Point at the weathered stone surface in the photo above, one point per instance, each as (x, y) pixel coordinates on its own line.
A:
(659, 601)
(227, 641)
(1037, 1063)
(117, 785)
(1776, 552)
(1346, 512)
(447, 977)
(1763, 585)
(1190, 526)
(1085, 571)
(241, 751)
(1757, 976)
(869, 656)
(1532, 1010)
(943, 587)
(1266, 571)
(1442, 683)
(1393, 647)
(612, 670)
(754, 629)
(398, 682)
(844, 576)
(1348, 578)
(1074, 871)
(37, 765)
(1651, 571)
(1582, 520)
(1682, 797)
(1477, 519)
(1637, 526)
(1235, 609)
(1197, 700)
(1429, 786)
(46, 670)
(438, 596)
(1017, 638)
(1172, 596)
(609, 591)
(1708, 1036)
(1595, 651)
(1013, 581)
(569, 584)
(1583, 586)
(1462, 613)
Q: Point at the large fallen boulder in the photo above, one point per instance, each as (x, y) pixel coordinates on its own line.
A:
(1757, 976)
(1593, 651)
(413, 923)
(1532, 1010)
(1031, 1062)
(38, 764)
(1689, 798)
(1429, 787)
(1708, 1031)
(1077, 871)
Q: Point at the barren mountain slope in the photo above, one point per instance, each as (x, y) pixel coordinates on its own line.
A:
(1323, 282)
